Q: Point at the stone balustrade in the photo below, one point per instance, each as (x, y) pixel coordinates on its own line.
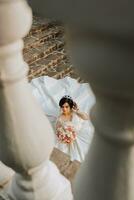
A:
(26, 137)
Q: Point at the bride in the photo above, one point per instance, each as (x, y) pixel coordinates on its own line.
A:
(72, 127)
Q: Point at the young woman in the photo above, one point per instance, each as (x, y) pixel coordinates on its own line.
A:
(70, 120)
(69, 126)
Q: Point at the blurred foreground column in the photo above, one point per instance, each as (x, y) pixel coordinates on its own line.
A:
(101, 37)
(26, 137)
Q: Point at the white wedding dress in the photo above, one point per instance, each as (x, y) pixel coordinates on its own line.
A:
(48, 92)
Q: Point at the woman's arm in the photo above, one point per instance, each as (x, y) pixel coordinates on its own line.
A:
(58, 122)
(82, 115)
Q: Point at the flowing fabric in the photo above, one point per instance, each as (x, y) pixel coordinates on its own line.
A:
(48, 92)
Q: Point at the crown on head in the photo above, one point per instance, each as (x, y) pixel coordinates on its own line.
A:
(68, 97)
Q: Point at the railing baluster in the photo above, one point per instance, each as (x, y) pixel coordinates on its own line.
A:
(26, 137)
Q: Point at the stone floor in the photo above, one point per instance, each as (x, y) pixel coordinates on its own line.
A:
(67, 167)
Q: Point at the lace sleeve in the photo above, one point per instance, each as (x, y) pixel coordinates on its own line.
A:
(58, 123)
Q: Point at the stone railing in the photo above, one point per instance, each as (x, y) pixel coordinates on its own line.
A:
(26, 137)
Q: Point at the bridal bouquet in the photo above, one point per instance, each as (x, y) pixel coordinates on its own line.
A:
(66, 134)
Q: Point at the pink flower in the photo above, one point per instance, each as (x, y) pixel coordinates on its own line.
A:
(66, 135)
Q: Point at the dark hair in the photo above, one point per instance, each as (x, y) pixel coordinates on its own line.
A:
(66, 100)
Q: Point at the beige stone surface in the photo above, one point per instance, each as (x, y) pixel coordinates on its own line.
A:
(67, 167)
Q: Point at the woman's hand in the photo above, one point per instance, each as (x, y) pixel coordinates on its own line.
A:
(75, 107)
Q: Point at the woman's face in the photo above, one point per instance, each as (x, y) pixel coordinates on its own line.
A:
(66, 108)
